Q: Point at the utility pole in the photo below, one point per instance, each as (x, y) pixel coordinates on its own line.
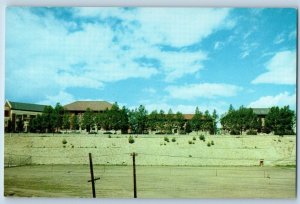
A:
(134, 175)
(92, 176)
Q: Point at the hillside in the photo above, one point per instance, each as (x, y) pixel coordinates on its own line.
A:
(226, 151)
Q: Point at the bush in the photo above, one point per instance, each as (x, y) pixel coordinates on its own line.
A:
(194, 138)
(64, 141)
(252, 132)
(130, 140)
(166, 139)
(190, 142)
(212, 142)
(106, 133)
(173, 139)
(202, 137)
(234, 132)
(109, 136)
(208, 144)
(160, 133)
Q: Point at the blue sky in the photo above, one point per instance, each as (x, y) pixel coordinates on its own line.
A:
(163, 58)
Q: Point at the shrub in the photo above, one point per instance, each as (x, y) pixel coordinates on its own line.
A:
(190, 142)
(160, 133)
(130, 140)
(109, 136)
(190, 155)
(173, 139)
(212, 142)
(252, 132)
(106, 133)
(208, 144)
(64, 141)
(202, 137)
(194, 138)
(166, 139)
(64, 146)
(234, 132)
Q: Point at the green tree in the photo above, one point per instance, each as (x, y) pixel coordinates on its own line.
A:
(179, 122)
(74, 122)
(161, 121)
(197, 120)
(124, 122)
(20, 125)
(46, 122)
(153, 119)
(188, 127)
(88, 120)
(57, 116)
(66, 121)
(280, 121)
(215, 117)
(169, 122)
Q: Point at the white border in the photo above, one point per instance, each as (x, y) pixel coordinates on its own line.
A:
(153, 3)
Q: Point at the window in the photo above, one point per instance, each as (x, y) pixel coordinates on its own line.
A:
(6, 113)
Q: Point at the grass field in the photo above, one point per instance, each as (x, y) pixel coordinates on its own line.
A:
(152, 181)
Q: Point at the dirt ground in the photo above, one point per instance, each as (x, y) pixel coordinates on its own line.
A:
(152, 181)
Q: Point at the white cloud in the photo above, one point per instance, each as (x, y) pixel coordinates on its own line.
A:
(203, 90)
(47, 54)
(279, 38)
(220, 107)
(281, 99)
(62, 98)
(149, 90)
(281, 69)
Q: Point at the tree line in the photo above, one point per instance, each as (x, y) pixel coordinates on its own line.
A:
(280, 121)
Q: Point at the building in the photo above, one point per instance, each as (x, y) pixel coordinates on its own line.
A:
(79, 107)
(15, 111)
(261, 114)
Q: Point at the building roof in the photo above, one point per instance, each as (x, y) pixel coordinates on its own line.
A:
(83, 105)
(188, 116)
(261, 111)
(26, 106)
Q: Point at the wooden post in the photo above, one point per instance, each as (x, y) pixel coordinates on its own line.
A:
(92, 176)
(134, 175)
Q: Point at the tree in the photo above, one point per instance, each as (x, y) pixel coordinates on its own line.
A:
(58, 114)
(74, 122)
(20, 125)
(46, 122)
(88, 120)
(124, 122)
(215, 117)
(169, 122)
(66, 121)
(179, 121)
(115, 117)
(161, 121)
(197, 120)
(9, 126)
(188, 127)
(280, 121)
(153, 120)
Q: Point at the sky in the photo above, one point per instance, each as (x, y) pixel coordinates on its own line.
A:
(162, 58)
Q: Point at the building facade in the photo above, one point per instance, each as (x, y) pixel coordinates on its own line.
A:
(16, 111)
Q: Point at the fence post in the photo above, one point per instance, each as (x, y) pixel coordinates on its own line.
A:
(134, 175)
(92, 176)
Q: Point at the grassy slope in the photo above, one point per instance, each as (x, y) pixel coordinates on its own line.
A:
(227, 151)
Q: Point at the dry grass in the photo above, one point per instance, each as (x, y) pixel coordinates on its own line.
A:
(152, 181)
(226, 151)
